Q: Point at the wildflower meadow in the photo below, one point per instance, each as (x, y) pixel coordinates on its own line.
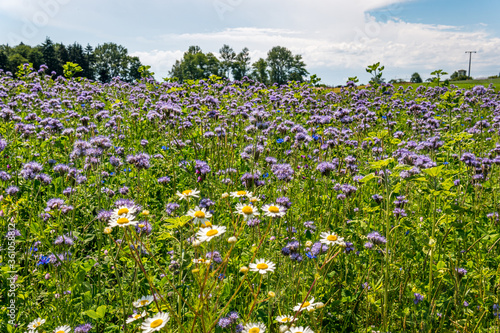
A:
(231, 206)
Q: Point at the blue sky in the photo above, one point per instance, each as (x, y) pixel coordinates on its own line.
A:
(337, 38)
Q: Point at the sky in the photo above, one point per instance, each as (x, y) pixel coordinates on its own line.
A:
(336, 38)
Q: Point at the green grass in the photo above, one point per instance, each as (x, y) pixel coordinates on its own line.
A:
(461, 84)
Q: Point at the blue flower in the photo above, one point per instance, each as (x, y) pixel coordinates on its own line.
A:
(164, 147)
(265, 175)
(44, 260)
(280, 140)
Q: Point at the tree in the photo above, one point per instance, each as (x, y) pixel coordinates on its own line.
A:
(195, 65)
(3, 60)
(241, 65)
(228, 56)
(415, 78)
(89, 63)
(111, 60)
(459, 77)
(49, 56)
(284, 66)
(62, 56)
(259, 72)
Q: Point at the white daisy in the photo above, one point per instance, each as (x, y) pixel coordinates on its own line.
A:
(331, 238)
(155, 323)
(200, 215)
(240, 194)
(300, 329)
(254, 328)
(262, 266)
(201, 261)
(254, 199)
(143, 301)
(122, 221)
(188, 194)
(206, 234)
(124, 210)
(309, 306)
(62, 329)
(285, 319)
(136, 316)
(274, 210)
(248, 211)
(35, 324)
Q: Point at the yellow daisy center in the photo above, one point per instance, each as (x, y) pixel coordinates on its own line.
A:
(285, 320)
(253, 200)
(332, 238)
(241, 193)
(306, 304)
(61, 331)
(144, 302)
(273, 209)
(123, 210)
(122, 220)
(187, 192)
(142, 225)
(247, 210)
(212, 232)
(254, 330)
(199, 214)
(208, 224)
(262, 266)
(156, 323)
(38, 323)
(137, 316)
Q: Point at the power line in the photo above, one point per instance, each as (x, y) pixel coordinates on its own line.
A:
(470, 58)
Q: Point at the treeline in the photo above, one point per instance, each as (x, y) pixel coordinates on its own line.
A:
(280, 66)
(100, 63)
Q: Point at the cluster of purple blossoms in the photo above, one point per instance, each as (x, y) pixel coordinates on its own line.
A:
(254, 222)
(418, 298)
(376, 238)
(214, 256)
(140, 161)
(282, 171)
(164, 180)
(326, 168)
(31, 170)
(292, 249)
(249, 179)
(84, 328)
(461, 272)
(202, 168)
(143, 227)
(171, 207)
(231, 322)
(65, 240)
(12, 190)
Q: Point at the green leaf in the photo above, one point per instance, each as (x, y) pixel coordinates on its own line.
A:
(434, 172)
(92, 314)
(367, 178)
(101, 311)
(382, 163)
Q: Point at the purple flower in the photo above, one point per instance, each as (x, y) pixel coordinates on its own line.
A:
(376, 238)
(171, 207)
(85, 328)
(140, 161)
(12, 190)
(418, 298)
(282, 171)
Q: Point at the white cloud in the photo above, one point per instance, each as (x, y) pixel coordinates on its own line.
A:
(335, 37)
(400, 46)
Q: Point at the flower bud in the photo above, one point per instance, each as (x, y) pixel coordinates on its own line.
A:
(244, 269)
(232, 240)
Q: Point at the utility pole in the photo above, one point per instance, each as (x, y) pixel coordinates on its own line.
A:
(470, 58)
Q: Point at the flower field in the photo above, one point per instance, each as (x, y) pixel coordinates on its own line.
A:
(217, 206)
